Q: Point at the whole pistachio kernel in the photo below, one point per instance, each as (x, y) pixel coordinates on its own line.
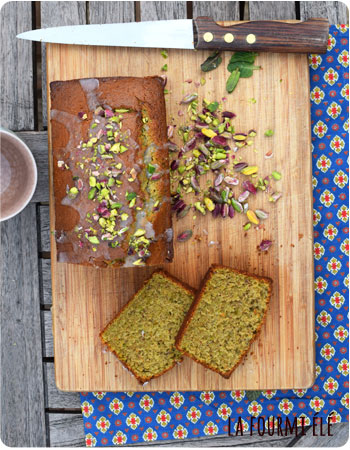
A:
(252, 217)
(250, 170)
(209, 204)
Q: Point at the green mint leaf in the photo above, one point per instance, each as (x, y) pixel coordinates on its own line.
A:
(232, 81)
(248, 57)
(212, 62)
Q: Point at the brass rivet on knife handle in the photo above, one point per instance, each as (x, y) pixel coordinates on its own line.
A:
(251, 38)
(208, 37)
(228, 38)
(310, 36)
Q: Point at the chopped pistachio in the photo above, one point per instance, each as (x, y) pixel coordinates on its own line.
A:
(208, 132)
(102, 221)
(164, 53)
(139, 232)
(199, 207)
(115, 148)
(92, 193)
(165, 68)
(73, 192)
(151, 169)
(93, 239)
(276, 175)
(139, 262)
(130, 195)
(269, 133)
(124, 216)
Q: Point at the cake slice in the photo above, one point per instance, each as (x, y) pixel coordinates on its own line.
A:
(142, 335)
(225, 318)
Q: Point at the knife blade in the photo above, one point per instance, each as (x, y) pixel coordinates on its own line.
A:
(310, 36)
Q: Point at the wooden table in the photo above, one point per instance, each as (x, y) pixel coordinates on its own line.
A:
(33, 412)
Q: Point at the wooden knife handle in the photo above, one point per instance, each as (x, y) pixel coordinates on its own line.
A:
(310, 36)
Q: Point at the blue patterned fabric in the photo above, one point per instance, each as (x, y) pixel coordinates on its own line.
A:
(132, 417)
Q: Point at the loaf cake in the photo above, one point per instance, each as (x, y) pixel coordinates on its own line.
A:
(110, 171)
(224, 319)
(142, 335)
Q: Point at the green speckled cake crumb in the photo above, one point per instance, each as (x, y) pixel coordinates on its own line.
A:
(226, 319)
(143, 335)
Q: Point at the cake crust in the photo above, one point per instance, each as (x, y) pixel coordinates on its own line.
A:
(145, 121)
(181, 284)
(195, 305)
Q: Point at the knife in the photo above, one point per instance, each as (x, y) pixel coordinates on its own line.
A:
(202, 33)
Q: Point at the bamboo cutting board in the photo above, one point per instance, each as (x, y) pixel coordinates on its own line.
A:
(86, 299)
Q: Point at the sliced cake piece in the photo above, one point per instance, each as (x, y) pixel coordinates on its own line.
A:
(142, 335)
(225, 318)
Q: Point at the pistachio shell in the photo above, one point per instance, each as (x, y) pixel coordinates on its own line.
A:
(261, 214)
(184, 236)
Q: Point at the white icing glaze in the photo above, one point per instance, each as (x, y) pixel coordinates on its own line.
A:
(89, 86)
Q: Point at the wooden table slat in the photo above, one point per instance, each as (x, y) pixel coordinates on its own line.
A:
(111, 12)
(44, 218)
(16, 67)
(163, 10)
(54, 14)
(57, 399)
(22, 385)
(216, 10)
(335, 12)
(46, 319)
(46, 298)
(66, 430)
(271, 10)
(340, 435)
